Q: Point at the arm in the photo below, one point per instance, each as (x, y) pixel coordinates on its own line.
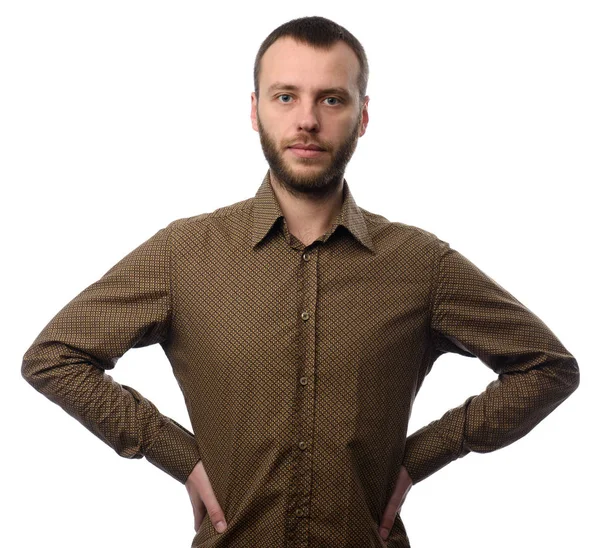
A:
(474, 316)
(130, 306)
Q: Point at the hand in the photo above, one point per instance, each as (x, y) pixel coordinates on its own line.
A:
(203, 498)
(403, 485)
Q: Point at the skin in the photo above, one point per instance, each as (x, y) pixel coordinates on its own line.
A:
(309, 190)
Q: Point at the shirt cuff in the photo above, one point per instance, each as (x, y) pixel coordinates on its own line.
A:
(434, 446)
(174, 451)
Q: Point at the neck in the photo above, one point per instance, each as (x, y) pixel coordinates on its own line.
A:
(308, 216)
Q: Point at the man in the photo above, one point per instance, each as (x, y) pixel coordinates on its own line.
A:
(300, 328)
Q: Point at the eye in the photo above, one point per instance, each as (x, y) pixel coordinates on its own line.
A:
(338, 101)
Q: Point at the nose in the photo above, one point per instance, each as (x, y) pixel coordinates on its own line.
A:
(307, 118)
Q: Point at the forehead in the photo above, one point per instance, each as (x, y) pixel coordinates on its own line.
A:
(305, 66)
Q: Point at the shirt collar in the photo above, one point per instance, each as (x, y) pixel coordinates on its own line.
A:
(266, 211)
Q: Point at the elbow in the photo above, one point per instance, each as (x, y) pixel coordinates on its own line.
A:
(38, 364)
(564, 376)
(29, 366)
(32, 368)
(572, 375)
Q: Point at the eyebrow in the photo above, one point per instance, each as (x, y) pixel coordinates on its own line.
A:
(282, 86)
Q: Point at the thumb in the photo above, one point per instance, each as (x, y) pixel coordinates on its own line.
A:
(213, 508)
(204, 500)
(216, 514)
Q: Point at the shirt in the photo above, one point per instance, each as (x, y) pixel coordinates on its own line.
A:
(299, 365)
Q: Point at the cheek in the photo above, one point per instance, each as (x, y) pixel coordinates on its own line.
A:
(346, 126)
(343, 134)
(271, 115)
(274, 125)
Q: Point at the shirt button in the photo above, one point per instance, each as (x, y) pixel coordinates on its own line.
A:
(306, 256)
(304, 316)
(303, 380)
(299, 512)
(302, 445)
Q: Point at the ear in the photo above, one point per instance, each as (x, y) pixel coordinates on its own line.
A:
(253, 110)
(365, 116)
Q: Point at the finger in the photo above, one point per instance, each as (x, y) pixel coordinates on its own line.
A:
(387, 521)
(199, 514)
(213, 508)
(392, 508)
(404, 494)
(197, 505)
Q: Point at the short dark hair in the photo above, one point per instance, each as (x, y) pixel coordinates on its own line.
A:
(321, 33)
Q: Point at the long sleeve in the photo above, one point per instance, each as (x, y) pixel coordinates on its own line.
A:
(474, 316)
(130, 306)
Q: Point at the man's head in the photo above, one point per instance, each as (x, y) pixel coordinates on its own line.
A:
(310, 79)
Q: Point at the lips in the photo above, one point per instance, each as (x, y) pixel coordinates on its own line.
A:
(307, 147)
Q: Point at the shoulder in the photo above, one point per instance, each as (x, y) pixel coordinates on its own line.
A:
(235, 213)
(397, 234)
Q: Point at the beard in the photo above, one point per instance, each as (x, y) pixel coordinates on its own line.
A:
(321, 181)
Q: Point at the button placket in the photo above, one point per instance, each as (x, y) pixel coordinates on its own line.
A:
(304, 408)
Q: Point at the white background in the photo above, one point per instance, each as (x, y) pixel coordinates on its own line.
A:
(119, 117)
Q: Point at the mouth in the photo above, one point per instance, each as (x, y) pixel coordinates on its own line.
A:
(307, 151)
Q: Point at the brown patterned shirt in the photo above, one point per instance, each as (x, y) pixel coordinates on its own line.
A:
(299, 365)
